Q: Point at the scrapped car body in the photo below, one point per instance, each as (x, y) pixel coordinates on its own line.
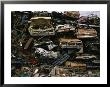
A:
(86, 33)
(83, 19)
(81, 25)
(73, 14)
(86, 56)
(49, 44)
(76, 65)
(45, 53)
(93, 19)
(41, 26)
(71, 44)
(61, 71)
(64, 28)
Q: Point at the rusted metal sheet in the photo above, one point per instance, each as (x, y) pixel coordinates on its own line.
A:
(28, 43)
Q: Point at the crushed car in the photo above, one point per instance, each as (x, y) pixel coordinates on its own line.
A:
(65, 28)
(86, 33)
(86, 56)
(41, 26)
(71, 44)
(46, 54)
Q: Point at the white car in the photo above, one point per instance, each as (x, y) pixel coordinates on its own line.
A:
(45, 53)
(64, 28)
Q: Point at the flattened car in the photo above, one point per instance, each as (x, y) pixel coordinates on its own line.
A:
(86, 33)
(41, 26)
(73, 14)
(64, 28)
(71, 44)
(86, 56)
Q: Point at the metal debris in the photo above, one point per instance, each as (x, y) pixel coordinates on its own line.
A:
(54, 44)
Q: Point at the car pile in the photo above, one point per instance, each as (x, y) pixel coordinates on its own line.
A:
(54, 44)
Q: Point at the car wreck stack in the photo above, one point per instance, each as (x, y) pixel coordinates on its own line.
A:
(55, 44)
